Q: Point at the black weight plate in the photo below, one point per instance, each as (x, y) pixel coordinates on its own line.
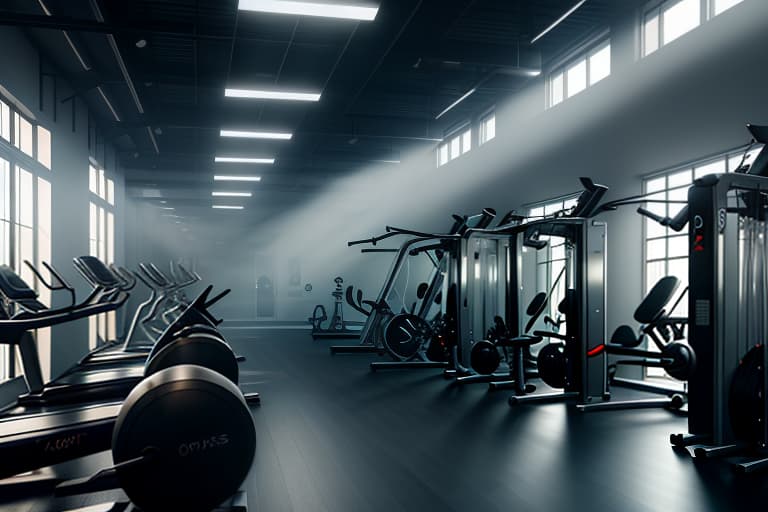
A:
(746, 399)
(405, 334)
(684, 360)
(552, 365)
(198, 349)
(484, 358)
(198, 432)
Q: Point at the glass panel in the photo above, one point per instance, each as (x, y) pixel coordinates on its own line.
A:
(678, 246)
(25, 250)
(680, 18)
(111, 192)
(488, 129)
(93, 229)
(24, 197)
(110, 238)
(656, 184)
(656, 249)
(5, 191)
(93, 180)
(551, 208)
(576, 78)
(44, 147)
(557, 88)
(710, 168)
(443, 154)
(651, 34)
(466, 141)
(455, 147)
(600, 64)
(102, 184)
(102, 255)
(24, 135)
(653, 272)
(536, 212)
(724, 5)
(5, 121)
(679, 179)
(679, 194)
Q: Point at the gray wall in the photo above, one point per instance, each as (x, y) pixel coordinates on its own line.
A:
(689, 100)
(69, 180)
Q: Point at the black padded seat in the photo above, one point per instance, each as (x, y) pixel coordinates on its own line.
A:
(13, 286)
(653, 304)
(99, 271)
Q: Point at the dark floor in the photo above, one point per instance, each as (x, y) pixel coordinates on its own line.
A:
(334, 437)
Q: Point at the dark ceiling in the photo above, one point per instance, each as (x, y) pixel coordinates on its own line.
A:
(383, 82)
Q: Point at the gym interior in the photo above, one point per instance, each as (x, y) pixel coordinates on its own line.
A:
(383, 255)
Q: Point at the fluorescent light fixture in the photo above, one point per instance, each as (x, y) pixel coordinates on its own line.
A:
(226, 207)
(231, 194)
(259, 94)
(388, 161)
(220, 177)
(167, 208)
(109, 105)
(242, 160)
(348, 12)
(452, 105)
(559, 21)
(256, 135)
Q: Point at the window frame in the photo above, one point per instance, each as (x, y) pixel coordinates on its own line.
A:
(462, 133)
(582, 54)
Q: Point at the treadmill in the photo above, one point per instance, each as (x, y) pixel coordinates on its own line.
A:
(80, 383)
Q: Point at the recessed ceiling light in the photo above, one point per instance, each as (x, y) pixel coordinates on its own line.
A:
(260, 94)
(256, 135)
(141, 43)
(350, 12)
(242, 160)
(220, 177)
(226, 207)
(231, 194)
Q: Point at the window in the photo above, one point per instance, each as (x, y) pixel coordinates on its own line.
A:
(25, 214)
(101, 242)
(44, 146)
(487, 128)
(23, 138)
(666, 251)
(5, 121)
(720, 6)
(580, 73)
(666, 21)
(454, 146)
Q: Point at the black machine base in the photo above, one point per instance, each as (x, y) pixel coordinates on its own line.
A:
(356, 349)
(408, 365)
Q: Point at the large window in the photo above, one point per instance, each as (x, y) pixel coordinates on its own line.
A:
(666, 21)
(666, 251)
(25, 213)
(101, 238)
(487, 128)
(579, 73)
(454, 146)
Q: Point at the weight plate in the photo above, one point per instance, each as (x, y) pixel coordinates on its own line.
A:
(198, 349)
(405, 335)
(197, 433)
(552, 365)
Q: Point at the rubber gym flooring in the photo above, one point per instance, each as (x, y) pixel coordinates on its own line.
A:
(334, 437)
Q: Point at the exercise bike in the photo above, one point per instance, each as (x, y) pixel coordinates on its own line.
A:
(337, 327)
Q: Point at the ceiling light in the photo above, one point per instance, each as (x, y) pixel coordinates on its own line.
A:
(109, 104)
(450, 107)
(167, 208)
(231, 194)
(242, 160)
(350, 12)
(272, 95)
(559, 21)
(256, 135)
(220, 177)
(226, 207)
(141, 43)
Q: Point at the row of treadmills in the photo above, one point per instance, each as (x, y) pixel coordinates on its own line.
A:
(165, 399)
